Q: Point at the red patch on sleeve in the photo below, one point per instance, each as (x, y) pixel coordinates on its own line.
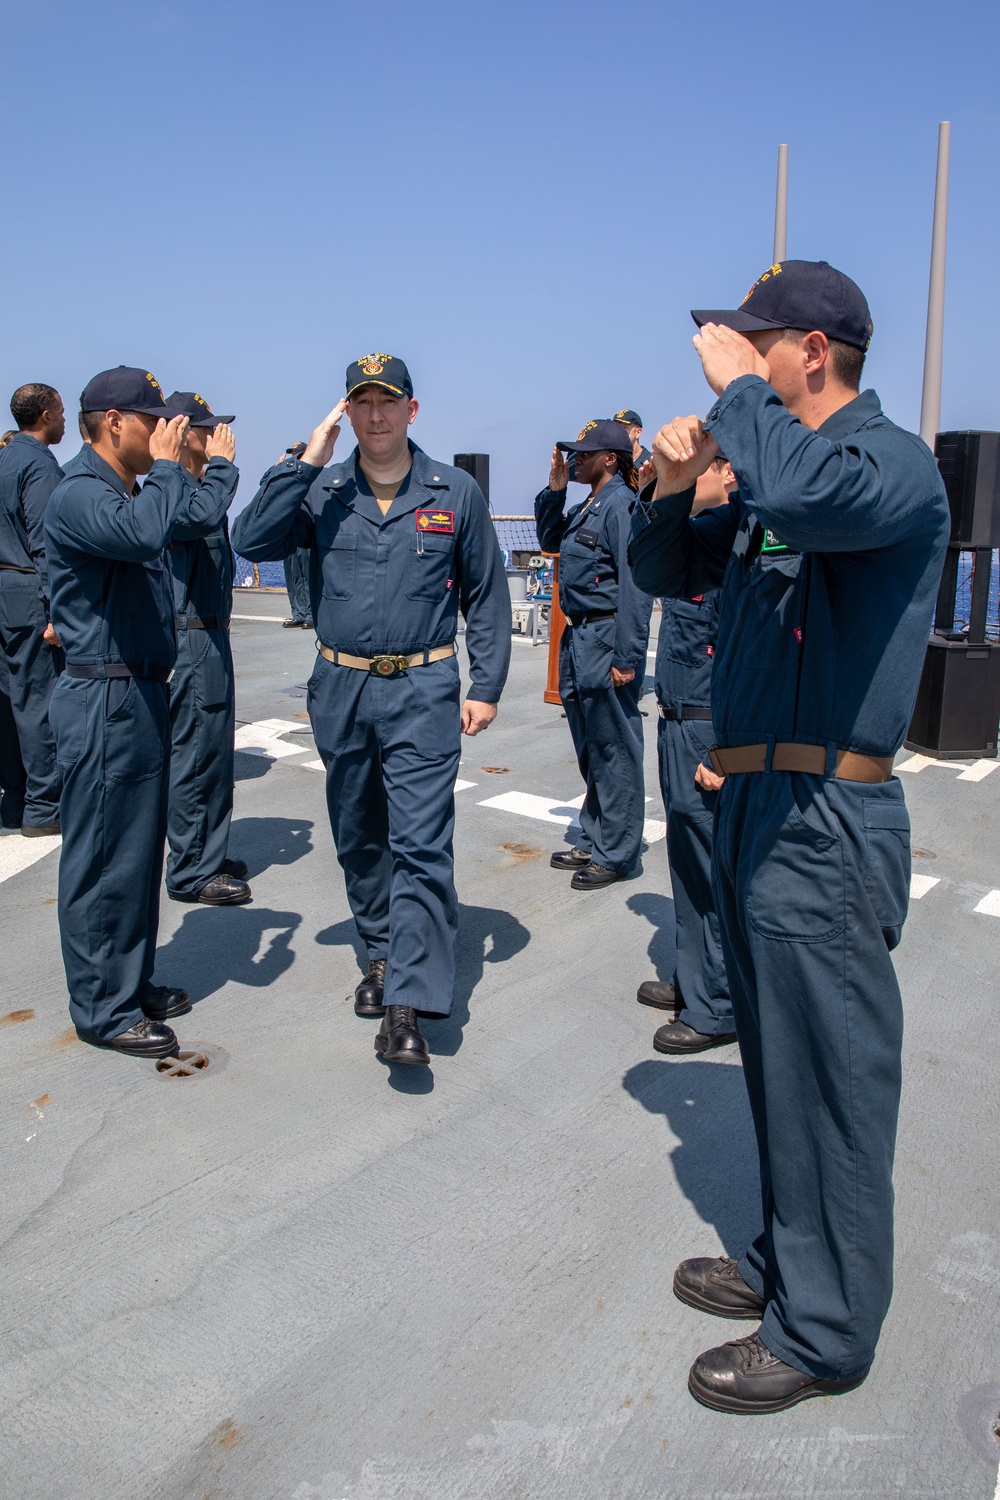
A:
(798, 634)
(436, 520)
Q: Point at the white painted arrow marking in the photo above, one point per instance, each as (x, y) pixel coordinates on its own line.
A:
(527, 805)
(921, 884)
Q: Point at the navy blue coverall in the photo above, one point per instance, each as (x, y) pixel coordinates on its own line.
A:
(12, 776)
(591, 539)
(113, 608)
(391, 746)
(28, 475)
(297, 583)
(684, 654)
(829, 566)
(202, 689)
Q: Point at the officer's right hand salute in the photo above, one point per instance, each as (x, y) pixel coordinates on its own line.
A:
(222, 443)
(319, 449)
(559, 472)
(167, 439)
(682, 451)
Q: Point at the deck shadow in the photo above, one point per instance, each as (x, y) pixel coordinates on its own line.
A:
(214, 945)
(264, 842)
(659, 913)
(705, 1104)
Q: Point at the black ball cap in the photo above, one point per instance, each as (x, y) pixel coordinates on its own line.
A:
(628, 417)
(605, 435)
(804, 294)
(379, 369)
(197, 408)
(126, 389)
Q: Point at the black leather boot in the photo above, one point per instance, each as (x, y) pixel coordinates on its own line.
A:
(745, 1376)
(145, 1039)
(368, 995)
(569, 859)
(716, 1286)
(399, 1038)
(163, 1003)
(660, 994)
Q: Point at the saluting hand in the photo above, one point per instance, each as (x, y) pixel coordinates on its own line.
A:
(681, 451)
(559, 472)
(726, 355)
(221, 444)
(647, 471)
(167, 439)
(319, 449)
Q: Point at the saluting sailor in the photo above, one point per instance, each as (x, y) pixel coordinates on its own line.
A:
(399, 544)
(602, 655)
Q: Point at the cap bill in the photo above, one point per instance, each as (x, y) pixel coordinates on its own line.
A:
(211, 421)
(736, 318)
(360, 384)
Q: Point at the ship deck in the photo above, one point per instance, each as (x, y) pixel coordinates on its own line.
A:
(301, 1275)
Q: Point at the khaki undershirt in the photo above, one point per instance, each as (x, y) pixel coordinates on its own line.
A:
(385, 494)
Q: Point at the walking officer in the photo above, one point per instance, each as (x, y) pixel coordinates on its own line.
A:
(698, 995)
(113, 608)
(399, 544)
(202, 688)
(28, 475)
(602, 655)
(829, 569)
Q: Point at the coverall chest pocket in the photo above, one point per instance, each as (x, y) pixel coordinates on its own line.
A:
(772, 624)
(687, 628)
(340, 565)
(430, 567)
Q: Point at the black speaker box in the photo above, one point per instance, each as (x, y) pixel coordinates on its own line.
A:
(970, 467)
(958, 701)
(478, 465)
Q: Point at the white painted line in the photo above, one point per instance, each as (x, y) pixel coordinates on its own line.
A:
(461, 786)
(921, 762)
(274, 619)
(990, 904)
(313, 765)
(264, 738)
(979, 770)
(921, 884)
(18, 853)
(526, 805)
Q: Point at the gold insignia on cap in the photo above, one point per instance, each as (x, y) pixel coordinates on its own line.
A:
(588, 428)
(153, 382)
(201, 401)
(621, 415)
(374, 364)
(774, 270)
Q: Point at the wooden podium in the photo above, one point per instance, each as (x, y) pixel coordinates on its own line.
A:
(557, 624)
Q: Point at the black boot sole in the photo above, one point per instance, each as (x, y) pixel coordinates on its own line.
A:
(173, 1050)
(706, 1305)
(200, 901)
(676, 1006)
(412, 1059)
(742, 1406)
(360, 1009)
(569, 866)
(725, 1040)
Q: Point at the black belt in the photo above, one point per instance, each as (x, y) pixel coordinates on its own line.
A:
(686, 711)
(210, 622)
(13, 568)
(605, 614)
(150, 669)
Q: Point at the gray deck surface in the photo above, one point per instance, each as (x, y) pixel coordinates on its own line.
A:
(304, 1276)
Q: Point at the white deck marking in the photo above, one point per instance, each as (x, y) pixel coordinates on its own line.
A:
(990, 904)
(921, 884)
(273, 618)
(462, 786)
(264, 738)
(978, 770)
(527, 805)
(313, 765)
(18, 853)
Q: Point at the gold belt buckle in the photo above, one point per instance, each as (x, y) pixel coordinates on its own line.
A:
(388, 666)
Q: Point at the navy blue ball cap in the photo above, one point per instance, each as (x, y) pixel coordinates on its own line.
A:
(605, 435)
(197, 408)
(379, 369)
(628, 417)
(126, 389)
(804, 294)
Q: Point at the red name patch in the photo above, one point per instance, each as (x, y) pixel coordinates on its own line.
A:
(436, 520)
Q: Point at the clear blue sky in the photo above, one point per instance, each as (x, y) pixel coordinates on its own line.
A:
(521, 200)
